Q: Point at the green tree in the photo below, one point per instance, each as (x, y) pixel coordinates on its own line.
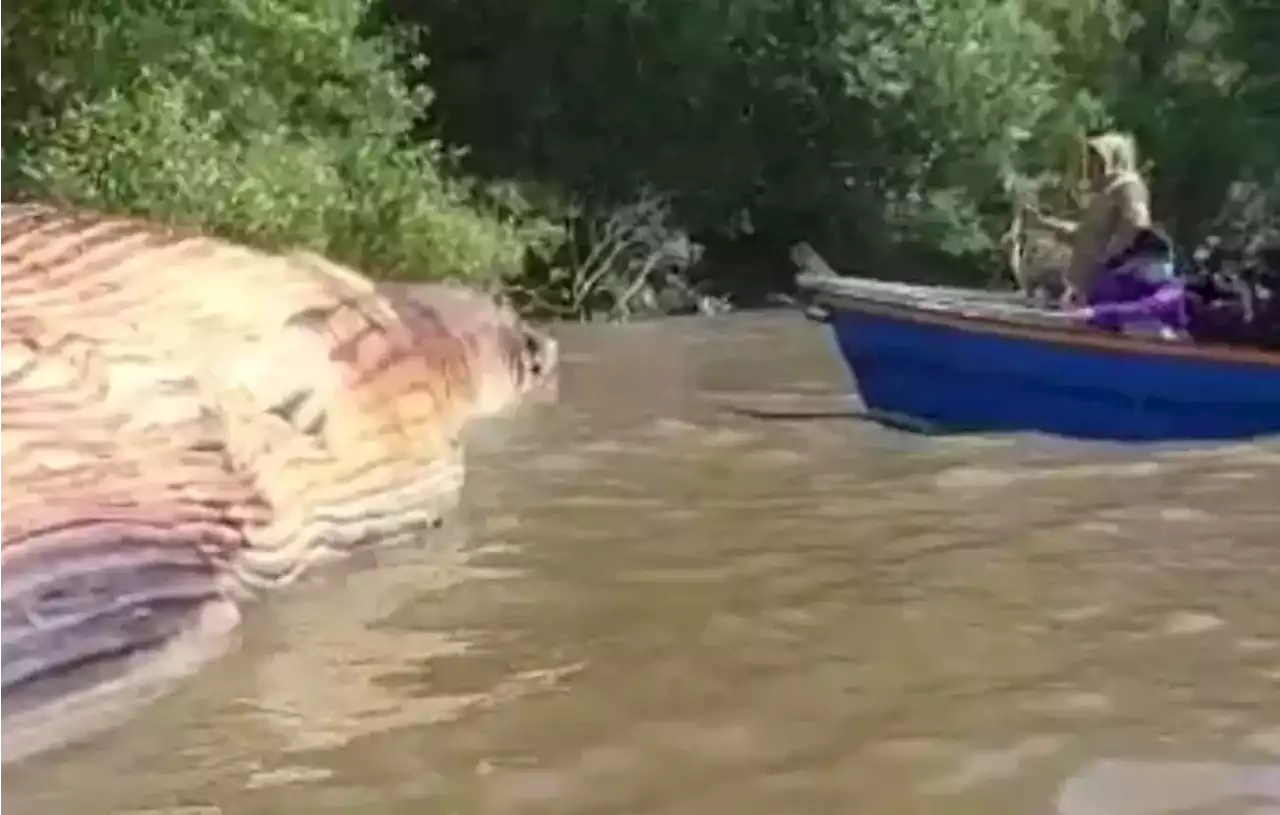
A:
(277, 122)
(878, 129)
(1195, 80)
(892, 135)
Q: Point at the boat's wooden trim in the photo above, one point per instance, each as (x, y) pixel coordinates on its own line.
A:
(1046, 327)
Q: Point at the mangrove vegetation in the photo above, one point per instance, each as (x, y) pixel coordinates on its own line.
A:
(605, 158)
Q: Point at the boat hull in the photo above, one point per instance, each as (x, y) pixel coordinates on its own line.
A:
(949, 378)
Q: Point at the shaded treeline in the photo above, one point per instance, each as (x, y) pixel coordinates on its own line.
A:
(609, 157)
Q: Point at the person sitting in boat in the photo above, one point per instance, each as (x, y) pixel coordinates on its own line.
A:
(1121, 273)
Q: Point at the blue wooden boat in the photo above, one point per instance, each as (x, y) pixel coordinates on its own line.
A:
(953, 360)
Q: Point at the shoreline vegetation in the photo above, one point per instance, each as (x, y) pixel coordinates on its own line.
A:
(625, 158)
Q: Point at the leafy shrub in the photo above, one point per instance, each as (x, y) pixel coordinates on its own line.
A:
(276, 122)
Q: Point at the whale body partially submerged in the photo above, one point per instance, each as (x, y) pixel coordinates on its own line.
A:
(186, 422)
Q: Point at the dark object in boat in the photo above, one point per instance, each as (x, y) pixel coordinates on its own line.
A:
(1235, 301)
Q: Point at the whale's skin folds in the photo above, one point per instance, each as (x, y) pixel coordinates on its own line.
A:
(186, 421)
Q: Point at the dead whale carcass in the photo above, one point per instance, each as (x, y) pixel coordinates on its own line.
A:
(185, 421)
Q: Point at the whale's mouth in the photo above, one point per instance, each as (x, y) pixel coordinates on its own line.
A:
(97, 689)
(100, 617)
(101, 613)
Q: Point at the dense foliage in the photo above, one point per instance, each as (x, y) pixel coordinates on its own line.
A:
(271, 121)
(621, 154)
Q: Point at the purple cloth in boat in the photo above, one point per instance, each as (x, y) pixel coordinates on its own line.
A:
(1140, 291)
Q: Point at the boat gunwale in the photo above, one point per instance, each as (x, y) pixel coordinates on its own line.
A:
(823, 292)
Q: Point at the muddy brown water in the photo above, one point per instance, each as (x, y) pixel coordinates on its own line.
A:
(700, 584)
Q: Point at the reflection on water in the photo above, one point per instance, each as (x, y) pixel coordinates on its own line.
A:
(700, 585)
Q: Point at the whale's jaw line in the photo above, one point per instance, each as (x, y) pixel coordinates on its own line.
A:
(37, 721)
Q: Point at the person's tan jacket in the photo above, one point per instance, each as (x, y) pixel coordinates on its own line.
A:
(1119, 207)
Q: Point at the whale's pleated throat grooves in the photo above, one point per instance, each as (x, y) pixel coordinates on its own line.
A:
(186, 420)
